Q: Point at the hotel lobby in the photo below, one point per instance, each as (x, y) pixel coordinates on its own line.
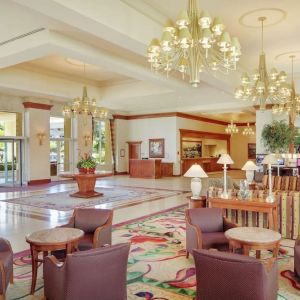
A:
(149, 150)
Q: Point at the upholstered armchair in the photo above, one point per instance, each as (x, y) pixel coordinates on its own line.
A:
(227, 276)
(297, 257)
(205, 229)
(6, 266)
(96, 224)
(94, 274)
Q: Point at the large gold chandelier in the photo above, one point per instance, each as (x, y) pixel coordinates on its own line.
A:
(231, 128)
(195, 43)
(262, 88)
(84, 106)
(291, 105)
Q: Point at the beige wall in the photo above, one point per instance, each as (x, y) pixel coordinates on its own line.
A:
(239, 147)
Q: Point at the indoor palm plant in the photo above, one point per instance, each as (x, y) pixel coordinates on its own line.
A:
(86, 164)
(278, 136)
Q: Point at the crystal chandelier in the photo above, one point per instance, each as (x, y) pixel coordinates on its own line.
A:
(248, 130)
(292, 104)
(262, 88)
(195, 43)
(231, 128)
(84, 106)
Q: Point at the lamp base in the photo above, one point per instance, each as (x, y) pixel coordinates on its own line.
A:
(270, 199)
(224, 195)
(196, 188)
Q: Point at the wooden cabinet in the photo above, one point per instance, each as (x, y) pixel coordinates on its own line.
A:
(145, 168)
(166, 169)
(208, 164)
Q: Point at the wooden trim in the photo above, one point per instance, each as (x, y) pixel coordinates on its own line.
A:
(38, 181)
(37, 105)
(268, 106)
(134, 142)
(200, 134)
(179, 115)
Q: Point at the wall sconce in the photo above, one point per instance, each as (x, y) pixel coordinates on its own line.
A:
(87, 139)
(41, 136)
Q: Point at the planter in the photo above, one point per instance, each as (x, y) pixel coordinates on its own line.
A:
(86, 170)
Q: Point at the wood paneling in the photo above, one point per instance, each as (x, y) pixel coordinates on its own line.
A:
(166, 169)
(145, 168)
(38, 181)
(207, 164)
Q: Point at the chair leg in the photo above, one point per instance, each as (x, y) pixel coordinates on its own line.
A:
(11, 279)
(187, 254)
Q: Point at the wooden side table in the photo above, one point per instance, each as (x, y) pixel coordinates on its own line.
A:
(50, 240)
(197, 203)
(253, 238)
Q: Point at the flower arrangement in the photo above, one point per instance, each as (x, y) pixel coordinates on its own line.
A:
(86, 164)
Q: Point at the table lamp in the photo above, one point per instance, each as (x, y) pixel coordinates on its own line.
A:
(270, 160)
(196, 172)
(225, 160)
(249, 167)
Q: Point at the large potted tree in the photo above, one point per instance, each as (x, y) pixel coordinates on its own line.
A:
(278, 136)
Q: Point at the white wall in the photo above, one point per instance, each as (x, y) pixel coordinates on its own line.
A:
(121, 137)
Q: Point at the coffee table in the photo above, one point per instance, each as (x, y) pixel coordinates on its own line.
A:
(51, 240)
(253, 238)
(86, 183)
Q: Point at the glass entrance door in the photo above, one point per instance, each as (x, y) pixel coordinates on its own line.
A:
(60, 157)
(10, 162)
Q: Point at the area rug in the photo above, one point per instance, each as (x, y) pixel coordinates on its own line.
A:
(112, 197)
(157, 267)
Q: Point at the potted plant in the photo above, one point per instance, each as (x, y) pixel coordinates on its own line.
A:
(86, 165)
(278, 136)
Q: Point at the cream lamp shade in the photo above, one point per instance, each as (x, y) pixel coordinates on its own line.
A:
(225, 159)
(195, 172)
(270, 159)
(249, 167)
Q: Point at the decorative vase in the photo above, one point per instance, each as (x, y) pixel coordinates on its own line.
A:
(82, 170)
(91, 171)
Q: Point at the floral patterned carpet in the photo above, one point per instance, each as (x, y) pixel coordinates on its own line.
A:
(157, 267)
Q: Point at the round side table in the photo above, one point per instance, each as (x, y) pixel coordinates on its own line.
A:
(197, 203)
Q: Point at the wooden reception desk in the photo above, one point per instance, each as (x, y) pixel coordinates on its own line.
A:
(145, 168)
(209, 164)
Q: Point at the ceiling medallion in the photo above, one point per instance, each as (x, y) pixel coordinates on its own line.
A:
(195, 43)
(291, 105)
(263, 88)
(231, 128)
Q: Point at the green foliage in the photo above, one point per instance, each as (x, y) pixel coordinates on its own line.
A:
(87, 162)
(277, 136)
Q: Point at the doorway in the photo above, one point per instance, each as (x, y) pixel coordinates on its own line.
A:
(10, 162)
(134, 151)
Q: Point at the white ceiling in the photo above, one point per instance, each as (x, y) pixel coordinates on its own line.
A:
(112, 36)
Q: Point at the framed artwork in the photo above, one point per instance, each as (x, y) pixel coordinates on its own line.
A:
(122, 152)
(191, 149)
(156, 148)
(251, 150)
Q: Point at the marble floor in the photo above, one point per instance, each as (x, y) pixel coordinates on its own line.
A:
(16, 221)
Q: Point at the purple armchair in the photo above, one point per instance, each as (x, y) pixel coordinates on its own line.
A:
(297, 257)
(94, 274)
(96, 224)
(205, 229)
(228, 276)
(6, 266)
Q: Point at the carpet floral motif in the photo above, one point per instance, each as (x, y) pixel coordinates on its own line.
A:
(157, 267)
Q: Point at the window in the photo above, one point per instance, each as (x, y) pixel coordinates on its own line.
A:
(56, 127)
(10, 124)
(99, 141)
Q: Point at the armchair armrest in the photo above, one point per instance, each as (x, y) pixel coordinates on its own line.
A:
(193, 235)
(54, 278)
(228, 225)
(5, 245)
(102, 234)
(70, 224)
